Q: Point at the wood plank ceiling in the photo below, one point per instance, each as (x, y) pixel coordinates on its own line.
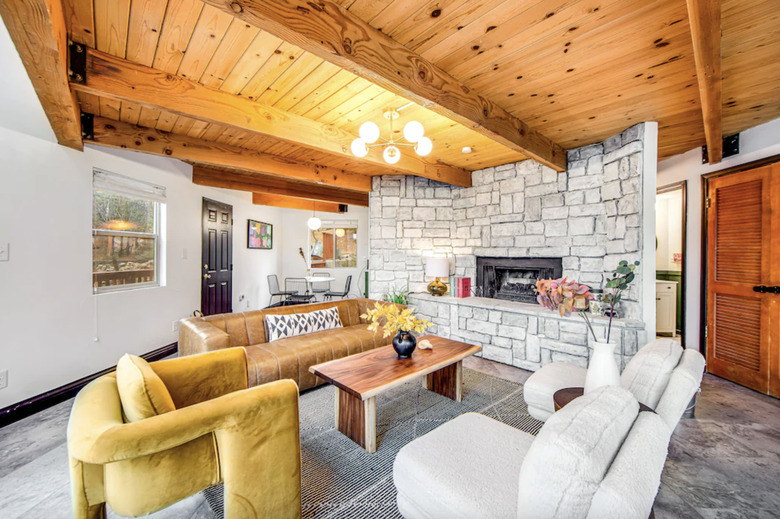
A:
(577, 71)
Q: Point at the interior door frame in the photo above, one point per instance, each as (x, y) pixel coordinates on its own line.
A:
(683, 186)
(705, 191)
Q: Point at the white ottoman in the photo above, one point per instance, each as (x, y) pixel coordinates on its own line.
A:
(540, 387)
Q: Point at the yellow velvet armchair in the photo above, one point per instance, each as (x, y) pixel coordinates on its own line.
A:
(219, 431)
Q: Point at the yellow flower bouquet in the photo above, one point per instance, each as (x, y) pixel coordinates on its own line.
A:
(401, 322)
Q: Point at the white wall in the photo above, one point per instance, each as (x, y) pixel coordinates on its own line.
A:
(297, 236)
(756, 143)
(668, 228)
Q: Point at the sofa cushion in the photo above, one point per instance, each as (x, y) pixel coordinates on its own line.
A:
(571, 454)
(630, 486)
(540, 387)
(141, 391)
(682, 386)
(291, 325)
(647, 373)
(467, 467)
(325, 319)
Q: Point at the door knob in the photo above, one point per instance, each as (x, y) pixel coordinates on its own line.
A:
(205, 266)
(206, 276)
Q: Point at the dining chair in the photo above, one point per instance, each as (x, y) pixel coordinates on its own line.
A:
(273, 287)
(330, 295)
(320, 287)
(300, 290)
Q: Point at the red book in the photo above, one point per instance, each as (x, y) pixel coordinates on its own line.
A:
(464, 287)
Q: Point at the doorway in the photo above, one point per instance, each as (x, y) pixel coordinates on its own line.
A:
(671, 215)
(742, 331)
(216, 295)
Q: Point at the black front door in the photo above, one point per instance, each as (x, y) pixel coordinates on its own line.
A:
(217, 272)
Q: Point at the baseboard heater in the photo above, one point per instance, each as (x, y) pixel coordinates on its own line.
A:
(15, 412)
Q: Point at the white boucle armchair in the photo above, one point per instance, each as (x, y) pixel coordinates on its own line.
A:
(661, 375)
(599, 457)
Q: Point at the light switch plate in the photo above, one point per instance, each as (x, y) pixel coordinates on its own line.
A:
(4, 251)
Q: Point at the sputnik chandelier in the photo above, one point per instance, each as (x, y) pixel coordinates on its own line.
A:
(413, 134)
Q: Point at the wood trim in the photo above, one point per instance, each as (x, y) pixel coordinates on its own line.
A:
(15, 412)
(290, 202)
(268, 184)
(704, 17)
(116, 78)
(340, 37)
(38, 30)
(115, 134)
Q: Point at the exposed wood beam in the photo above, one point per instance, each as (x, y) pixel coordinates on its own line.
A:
(37, 28)
(338, 36)
(295, 203)
(117, 78)
(268, 184)
(115, 134)
(704, 17)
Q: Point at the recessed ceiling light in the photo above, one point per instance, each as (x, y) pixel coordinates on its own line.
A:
(466, 149)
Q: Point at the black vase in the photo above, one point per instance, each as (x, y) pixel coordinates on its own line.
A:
(404, 344)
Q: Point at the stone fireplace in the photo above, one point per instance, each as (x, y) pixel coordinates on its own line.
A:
(517, 223)
(514, 279)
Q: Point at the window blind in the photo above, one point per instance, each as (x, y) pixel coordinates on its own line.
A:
(120, 184)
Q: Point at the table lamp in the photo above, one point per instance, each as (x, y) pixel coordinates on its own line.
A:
(437, 267)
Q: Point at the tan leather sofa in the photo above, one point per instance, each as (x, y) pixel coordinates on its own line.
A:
(219, 431)
(284, 358)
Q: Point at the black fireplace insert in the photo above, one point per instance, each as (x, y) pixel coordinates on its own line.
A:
(514, 279)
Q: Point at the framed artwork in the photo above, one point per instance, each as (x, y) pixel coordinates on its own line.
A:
(259, 235)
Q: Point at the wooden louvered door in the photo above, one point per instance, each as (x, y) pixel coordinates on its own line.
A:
(743, 251)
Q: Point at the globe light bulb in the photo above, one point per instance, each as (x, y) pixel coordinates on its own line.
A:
(359, 148)
(340, 233)
(423, 146)
(314, 223)
(369, 132)
(391, 154)
(413, 131)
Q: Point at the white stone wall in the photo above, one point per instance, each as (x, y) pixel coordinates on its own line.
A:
(590, 215)
(525, 335)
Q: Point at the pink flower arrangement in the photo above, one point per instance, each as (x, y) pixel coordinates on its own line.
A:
(564, 296)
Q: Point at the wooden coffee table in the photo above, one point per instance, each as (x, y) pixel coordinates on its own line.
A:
(566, 395)
(360, 378)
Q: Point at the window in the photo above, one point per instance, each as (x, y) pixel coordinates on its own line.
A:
(126, 246)
(334, 245)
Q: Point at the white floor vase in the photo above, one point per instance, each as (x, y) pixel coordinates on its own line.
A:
(602, 370)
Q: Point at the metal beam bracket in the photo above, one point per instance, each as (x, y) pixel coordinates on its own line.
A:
(77, 63)
(730, 148)
(87, 126)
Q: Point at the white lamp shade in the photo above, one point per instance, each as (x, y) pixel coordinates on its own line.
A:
(391, 154)
(314, 223)
(437, 267)
(359, 148)
(413, 131)
(369, 132)
(423, 146)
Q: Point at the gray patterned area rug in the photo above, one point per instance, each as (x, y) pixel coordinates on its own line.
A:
(341, 480)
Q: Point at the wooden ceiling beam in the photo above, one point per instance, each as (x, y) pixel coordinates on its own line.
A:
(340, 37)
(37, 28)
(115, 134)
(268, 184)
(116, 78)
(704, 17)
(291, 202)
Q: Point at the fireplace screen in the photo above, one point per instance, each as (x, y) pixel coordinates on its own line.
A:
(514, 279)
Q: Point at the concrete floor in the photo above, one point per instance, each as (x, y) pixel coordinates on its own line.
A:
(725, 463)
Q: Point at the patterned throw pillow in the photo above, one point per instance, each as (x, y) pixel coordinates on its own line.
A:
(281, 326)
(324, 319)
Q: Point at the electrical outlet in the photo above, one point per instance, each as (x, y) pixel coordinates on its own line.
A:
(174, 326)
(3, 379)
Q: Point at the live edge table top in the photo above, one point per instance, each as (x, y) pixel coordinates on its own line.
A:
(367, 374)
